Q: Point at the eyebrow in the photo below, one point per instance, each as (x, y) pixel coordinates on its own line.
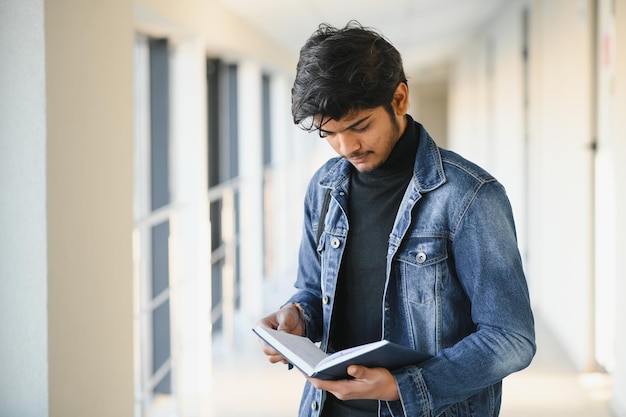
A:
(358, 122)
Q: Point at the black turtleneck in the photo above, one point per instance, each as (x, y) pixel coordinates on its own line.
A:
(373, 201)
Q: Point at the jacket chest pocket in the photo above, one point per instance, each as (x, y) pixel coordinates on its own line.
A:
(421, 265)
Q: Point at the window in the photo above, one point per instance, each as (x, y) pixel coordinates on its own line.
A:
(268, 184)
(223, 172)
(153, 380)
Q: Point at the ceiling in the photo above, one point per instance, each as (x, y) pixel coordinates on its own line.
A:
(426, 32)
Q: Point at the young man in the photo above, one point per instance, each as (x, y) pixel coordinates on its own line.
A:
(417, 246)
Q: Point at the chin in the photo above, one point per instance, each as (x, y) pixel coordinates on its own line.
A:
(366, 167)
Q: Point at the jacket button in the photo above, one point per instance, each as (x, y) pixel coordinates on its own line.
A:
(314, 405)
(334, 243)
(325, 299)
(421, 258)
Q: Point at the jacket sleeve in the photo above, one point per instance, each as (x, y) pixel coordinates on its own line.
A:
(308, 281)
(489, 268)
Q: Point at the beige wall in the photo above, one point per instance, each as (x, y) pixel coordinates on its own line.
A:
(429, 106)
(90, 154)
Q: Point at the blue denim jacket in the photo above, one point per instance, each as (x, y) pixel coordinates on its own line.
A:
(454, 288)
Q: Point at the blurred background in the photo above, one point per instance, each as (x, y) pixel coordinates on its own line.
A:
(152, 183)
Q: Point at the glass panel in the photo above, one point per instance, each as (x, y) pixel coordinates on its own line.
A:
(213, 120)
(233, 129)
(215, 216)
(165, 386)
(160, 258)
(159, 122)
(267, 128)
(216, 293)
(160, 335)
(237, 265)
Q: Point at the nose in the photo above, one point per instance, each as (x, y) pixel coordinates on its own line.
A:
(347, 143)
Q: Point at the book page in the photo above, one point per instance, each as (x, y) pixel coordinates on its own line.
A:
(349, 353)
(298, 350)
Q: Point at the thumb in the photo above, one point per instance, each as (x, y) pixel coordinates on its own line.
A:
(288, 319)
(357, 371)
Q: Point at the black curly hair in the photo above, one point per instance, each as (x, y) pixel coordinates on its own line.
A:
(341, 71)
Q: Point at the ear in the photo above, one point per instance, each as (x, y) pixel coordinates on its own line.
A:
(400, 102)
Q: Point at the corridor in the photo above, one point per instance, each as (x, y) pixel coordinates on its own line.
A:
(152, 184)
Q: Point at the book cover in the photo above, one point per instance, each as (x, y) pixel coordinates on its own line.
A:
(305, 355)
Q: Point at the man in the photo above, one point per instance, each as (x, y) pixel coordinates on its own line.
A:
(414, 244)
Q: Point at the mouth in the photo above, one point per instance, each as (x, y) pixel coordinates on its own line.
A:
(358, 159)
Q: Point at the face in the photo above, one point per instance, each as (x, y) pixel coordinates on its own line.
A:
(367, 137)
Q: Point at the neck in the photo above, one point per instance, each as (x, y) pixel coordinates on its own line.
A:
(402, 121)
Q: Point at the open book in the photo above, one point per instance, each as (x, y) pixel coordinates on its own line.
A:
(314, 362)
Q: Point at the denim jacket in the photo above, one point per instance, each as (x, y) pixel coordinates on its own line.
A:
(454, 288)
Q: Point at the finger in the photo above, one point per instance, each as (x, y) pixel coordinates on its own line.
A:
(339, 388)
(276, 359)
(318, 383)
(284, 327)
(269, 321)
(267, 349)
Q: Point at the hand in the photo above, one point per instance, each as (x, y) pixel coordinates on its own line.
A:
(287, 319)
(368, 383)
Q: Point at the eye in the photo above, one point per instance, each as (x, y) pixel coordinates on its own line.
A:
(361, 129)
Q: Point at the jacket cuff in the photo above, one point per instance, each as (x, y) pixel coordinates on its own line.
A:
(414, 396)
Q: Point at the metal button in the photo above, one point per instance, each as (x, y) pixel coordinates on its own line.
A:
(325, 299)
(421, 258)
(314, 405)
(334, 243)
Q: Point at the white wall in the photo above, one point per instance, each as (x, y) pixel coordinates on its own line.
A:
(619, 163)
(23, 269)
(250, 130)
(554, 220)
(468, 104)
(606, 259)
(486, 102)
(190, 236)
(561, 133)
(573, 241)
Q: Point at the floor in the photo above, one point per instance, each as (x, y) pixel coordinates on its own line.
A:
(245, 384)
(551, 387)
